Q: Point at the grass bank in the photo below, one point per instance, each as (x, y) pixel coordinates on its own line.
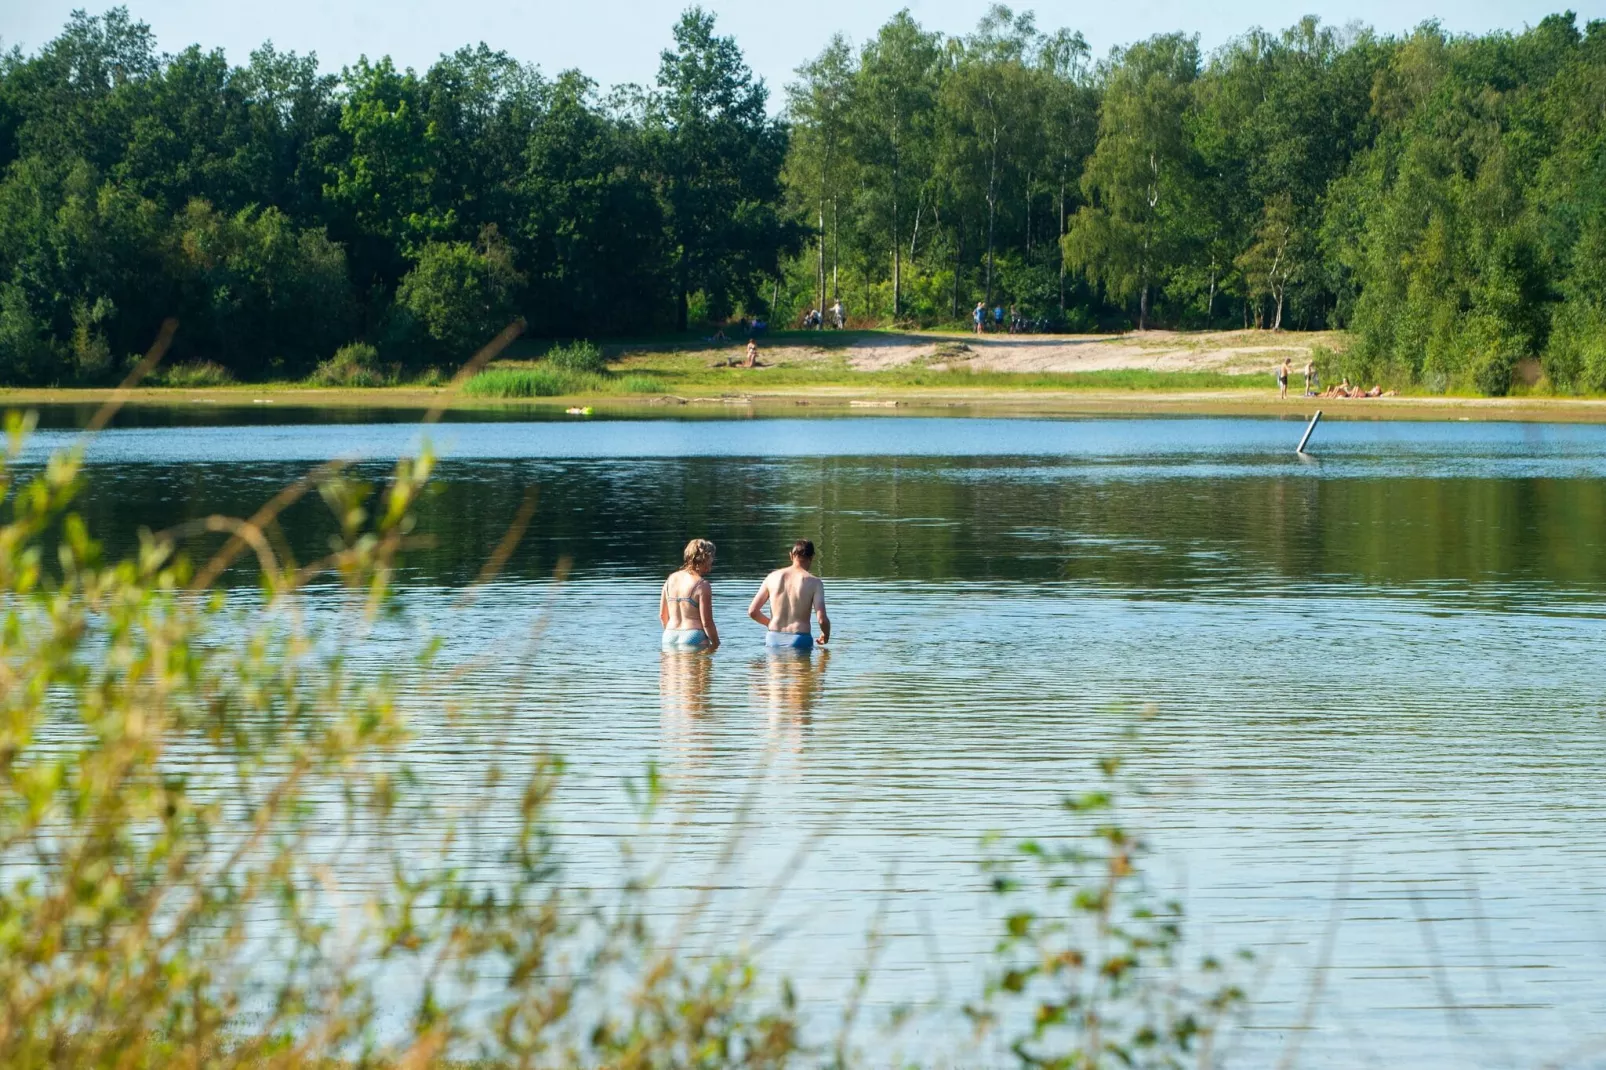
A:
(1160, 373)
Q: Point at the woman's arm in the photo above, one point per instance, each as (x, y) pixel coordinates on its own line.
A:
(663, 605)
(756, 610)
(706, 608)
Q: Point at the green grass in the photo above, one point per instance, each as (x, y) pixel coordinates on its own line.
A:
(534, 383)
(678, 374)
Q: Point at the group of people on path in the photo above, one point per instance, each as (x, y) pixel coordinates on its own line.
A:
(838, 314)
(1313, 385)
(793, 596)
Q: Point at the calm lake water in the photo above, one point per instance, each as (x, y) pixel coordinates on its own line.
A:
(1368, 684)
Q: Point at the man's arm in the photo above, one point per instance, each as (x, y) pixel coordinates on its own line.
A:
(756, 609)
(819, 612)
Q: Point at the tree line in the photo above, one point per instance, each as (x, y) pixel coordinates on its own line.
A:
(1443, 197)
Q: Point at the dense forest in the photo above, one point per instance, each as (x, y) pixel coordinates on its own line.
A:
(1442, 197)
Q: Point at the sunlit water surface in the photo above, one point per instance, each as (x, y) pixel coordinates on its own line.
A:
(1367, 685)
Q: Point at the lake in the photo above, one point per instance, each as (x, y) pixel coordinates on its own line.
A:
(1365, 687)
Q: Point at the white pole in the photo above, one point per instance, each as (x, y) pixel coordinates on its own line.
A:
(1308, 430)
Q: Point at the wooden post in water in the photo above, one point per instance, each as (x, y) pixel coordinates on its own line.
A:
(1308, 430)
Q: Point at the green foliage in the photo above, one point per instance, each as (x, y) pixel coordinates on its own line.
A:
(175, 756)
(1139, 181)
(578, 356)
(533, 383)
(1441, 195)
(718, 156)
(640, 384)
(26, 354)
(133, 896)
(1092, 956)
(201, 374)
(257, 293)
(457, 299)
(355, 364)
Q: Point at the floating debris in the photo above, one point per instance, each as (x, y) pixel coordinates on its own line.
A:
(587, 411)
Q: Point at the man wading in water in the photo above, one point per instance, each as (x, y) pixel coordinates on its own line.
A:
(794, 594)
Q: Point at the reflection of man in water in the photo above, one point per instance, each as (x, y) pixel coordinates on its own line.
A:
(789, 687)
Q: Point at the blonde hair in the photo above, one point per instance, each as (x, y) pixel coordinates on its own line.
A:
(698, 552)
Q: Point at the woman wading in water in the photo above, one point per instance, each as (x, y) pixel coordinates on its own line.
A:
(686, 604)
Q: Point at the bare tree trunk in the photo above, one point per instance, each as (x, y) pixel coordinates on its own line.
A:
(920, 207)
(1210, 306)
(1062, 241)
(683, 273)
(820, 277)
(992, 213)
(1143, 308)
(1028, 214)
(1277, 324)
(959, 260)
(836, 252)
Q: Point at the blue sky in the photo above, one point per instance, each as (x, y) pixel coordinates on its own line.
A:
(619, 40)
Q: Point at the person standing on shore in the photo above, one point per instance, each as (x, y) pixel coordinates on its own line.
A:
(1310, 378)
(752, 354)
(794, 594)
(979, 316)
(1282, 379)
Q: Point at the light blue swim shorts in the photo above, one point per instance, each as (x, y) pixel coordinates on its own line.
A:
(802, 641)
(685, 638)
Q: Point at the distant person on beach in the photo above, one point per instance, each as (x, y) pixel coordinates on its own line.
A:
(1282, 379)
(980, 316)
(839, 314)
(686, 603)
(752, 354)
(1311, 381)
(794, 594)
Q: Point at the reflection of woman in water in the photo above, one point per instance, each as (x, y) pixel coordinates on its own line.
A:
(684, 678)
(686, 603)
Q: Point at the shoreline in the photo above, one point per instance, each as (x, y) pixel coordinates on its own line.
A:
(841, 400)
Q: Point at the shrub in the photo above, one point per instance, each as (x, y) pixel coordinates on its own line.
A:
(457, 298)
(260, 289)
(26, 355)
(580, 356)
(356, 364)
(172, 895)
(199, 374)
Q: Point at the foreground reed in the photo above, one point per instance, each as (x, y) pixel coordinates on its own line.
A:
(208, 856)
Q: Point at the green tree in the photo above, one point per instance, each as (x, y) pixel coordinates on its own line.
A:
(819, 165)
(590, 229)
(457, 298)
(385, 178)
(1140, 179)
(259, 295)
(893, 114)
(718, 158)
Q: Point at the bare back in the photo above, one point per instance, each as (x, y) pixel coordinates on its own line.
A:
(795, 595)
(683, 601)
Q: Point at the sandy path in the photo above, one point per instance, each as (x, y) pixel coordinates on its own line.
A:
(1231, 352)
